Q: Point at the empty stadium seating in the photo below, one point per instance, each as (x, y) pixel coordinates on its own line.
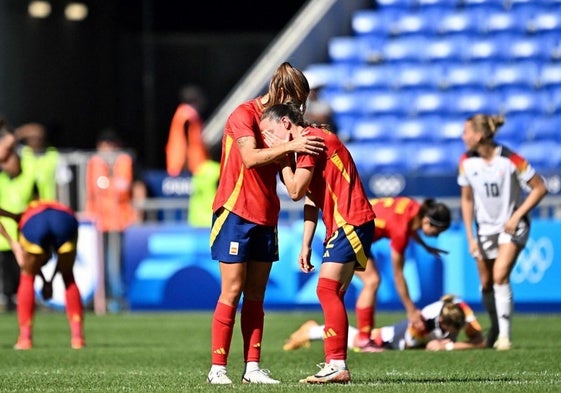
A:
(412, 71)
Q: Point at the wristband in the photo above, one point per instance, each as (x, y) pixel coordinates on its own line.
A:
(449, 346)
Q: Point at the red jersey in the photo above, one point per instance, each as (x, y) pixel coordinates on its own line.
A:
(393, 216)
(249, 193)
(336, 187)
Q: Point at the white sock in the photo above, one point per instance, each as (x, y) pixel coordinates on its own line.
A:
(351, 337)
(216, 367)
(340, 364)
(504, 306)
(251, 366)
(316, 332)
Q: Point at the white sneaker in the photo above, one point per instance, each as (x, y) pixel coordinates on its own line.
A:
(259, 376)
(218, 377)
(329, 374)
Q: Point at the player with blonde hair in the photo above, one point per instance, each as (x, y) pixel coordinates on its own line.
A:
(443, 322)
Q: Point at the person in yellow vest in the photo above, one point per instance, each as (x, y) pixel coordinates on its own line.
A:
(203, 189)
(18, 188)
(41, 158)
(113, 192)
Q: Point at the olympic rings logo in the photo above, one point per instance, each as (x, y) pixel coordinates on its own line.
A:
(533, 261)
(386, 185)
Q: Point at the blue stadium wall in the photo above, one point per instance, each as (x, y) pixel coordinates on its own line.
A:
(169, 267)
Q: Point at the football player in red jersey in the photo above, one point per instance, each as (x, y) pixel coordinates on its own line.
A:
(244, 224)
(330, 183)
(398, 219)
(46, 227)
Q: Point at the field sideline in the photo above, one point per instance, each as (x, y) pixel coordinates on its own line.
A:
(169, 352)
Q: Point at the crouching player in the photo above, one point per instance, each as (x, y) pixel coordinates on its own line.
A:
(46, 228)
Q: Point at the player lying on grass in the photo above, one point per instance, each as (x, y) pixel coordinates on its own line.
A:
(444, 320)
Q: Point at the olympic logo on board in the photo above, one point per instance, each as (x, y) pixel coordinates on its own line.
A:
(387, 185)
(533, 261)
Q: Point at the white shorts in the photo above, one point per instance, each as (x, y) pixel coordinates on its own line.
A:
(489, 244)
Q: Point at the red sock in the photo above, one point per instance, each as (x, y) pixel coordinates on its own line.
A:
(336, 321)
(74, 310)
(252, 319)
(26, 305)
(222, 329)
(364, 321)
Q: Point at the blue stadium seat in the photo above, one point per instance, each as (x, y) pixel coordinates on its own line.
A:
(513, 132)
(446, 49)
(430, 159)
(550, 75)
(516, 100)
(545, 128)
(345, 124)
(458, 22)
(523, 74)
(414, 130)
(545, 21)
(553, 43)
(423, 23)
(404, 49)
(374, 129)
(415, 76)
(394, 4)
(330, 75)
(354, 49)
(380, 157)
(346, 49)
(344, 102)
(385, 103)
(484, 4)
(543, 155)
(450, 128)
(526, 48)
(464, 75)
(553, 97)
(374, 22)
(484, 49)
(423, 5)
(429, 102)
(504, 21)
(468, 102)
(373, 77)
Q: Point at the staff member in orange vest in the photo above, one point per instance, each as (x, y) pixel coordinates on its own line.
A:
(112, 192)
(185, 148)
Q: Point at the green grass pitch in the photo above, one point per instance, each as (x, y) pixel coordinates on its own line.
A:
(170, 352)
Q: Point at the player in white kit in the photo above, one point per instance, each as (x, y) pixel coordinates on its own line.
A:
(499, 188)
